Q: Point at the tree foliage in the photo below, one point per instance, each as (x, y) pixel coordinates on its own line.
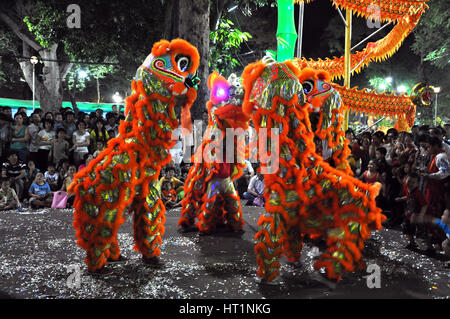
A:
(226, 42)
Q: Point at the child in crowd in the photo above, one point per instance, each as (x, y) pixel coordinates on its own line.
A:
(415, 204)
(68, 179)
(380, 157)
(60, 147)
(8, 196)
(100, 146)
(371, 175)
(87, 159)
(52, 177)
(40, 193)
(177, 185)
(169, 196)
(63, 167)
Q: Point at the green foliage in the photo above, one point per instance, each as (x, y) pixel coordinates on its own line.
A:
(432, 35)
(225, 44)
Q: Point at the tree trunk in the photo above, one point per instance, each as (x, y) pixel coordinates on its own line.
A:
(98, 90)
(49, 90)
(193, 26)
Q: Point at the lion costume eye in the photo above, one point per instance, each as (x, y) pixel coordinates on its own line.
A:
(183, 62)
(308, 86)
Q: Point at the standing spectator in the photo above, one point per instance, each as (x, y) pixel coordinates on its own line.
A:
(391, 141)
(255, 188)
(410, 151)
(242, 182)
(7, 110)
(371, 175)
(52, 178)
(16, 173)
(40, 193)
(444, 224)
(114, 111)
(99, 114)
(434, 176)
(380, 158)
(111, 124)
(8, 197)
(60, 147)
(81, 142)
(20, 138)
(59, 123)
(377, 140)
(5, 137)
(33, 130)
(70, 126)
(435, 131)
(415, 205)
(92, 121)
(46, 137)
(98, 134)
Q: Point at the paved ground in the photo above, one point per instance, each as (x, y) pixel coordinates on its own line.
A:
(39, 259)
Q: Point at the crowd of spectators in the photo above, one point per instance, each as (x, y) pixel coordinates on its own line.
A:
(414, 172)
(40, 153)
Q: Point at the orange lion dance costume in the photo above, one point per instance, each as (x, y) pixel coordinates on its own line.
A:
(210, 195)
(125, 175)
(305, 194)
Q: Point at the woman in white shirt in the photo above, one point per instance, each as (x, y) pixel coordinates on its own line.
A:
(81, 141)
(45, 140)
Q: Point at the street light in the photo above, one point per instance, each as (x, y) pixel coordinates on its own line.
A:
(34, 60)
(401, 89)
(117, 98)
(436, 90)
(82, 74)
(382, 86)
(388, 79)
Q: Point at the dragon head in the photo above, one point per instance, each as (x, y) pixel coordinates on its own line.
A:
(320, 95)
(170, 70)
(226, 100)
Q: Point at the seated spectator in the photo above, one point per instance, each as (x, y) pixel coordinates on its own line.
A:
(87, 159)
(111, 124)
(169, 196)
(30, 174)
(60, 149)
(52, 178)
(40, 193)
(177, 185)
(371, 175)
(16, 173)
(68, 179)
(247, 173)
(100, 146)
(8, 197)
(63, 167)
(255, 188)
